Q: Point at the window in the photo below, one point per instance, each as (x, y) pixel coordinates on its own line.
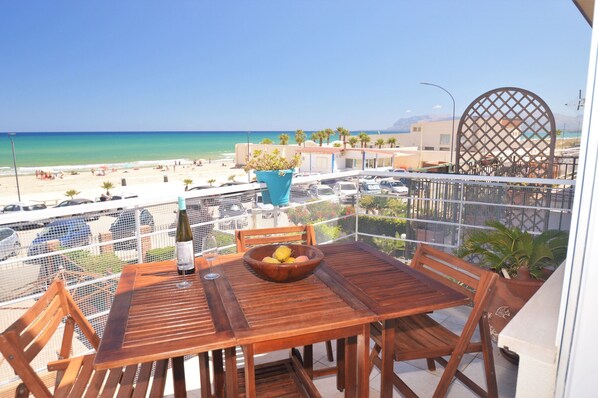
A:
(445, 139)
(428, 148)
(417, 129)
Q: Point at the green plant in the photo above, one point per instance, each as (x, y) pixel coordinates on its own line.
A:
(187, 182)
(71, 193)
(300, 137)
(107, 185)
(390, 246)
(284, 139)
(262, 160)
(232, 177)
(327, 232)
(211, 182)
(505, 250)
(160, 254)
(266, 141)
(100, 264)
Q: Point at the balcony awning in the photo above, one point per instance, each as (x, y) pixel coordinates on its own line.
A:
(586, 7)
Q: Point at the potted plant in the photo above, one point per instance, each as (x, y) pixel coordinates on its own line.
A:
(276, 171)
(523, 260)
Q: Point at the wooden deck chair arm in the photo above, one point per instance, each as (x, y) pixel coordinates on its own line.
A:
(17, 360)
(80, 319)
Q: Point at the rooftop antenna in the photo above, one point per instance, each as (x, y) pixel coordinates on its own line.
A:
(577, 103)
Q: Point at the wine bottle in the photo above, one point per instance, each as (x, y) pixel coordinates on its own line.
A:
(185, 259)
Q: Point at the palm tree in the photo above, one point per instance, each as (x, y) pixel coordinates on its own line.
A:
(300, 137)
(211, 182)
(71, 193)
(187, 182)
(505, 250)
(343, 133)
(392, 142)
(353, 141)
(232, 178)
(266, 141)
(284, 139)
(380, 142)
(328, 133)
(318, 136)
(364, 138)
(107, 185)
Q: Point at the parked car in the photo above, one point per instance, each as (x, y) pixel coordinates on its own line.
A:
(124, 227)
(14, 208)
(9, 243)
(232, 207)
(299, 194)
(322, 192)
(243, 196)
(70, 232)
(393, 186)
(266, 210)
(346, 191)
(77, 202)
(370, 187)
(209, 200)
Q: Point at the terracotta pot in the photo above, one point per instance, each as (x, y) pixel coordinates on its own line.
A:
(510, 295)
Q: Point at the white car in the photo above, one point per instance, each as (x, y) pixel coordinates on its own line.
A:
(20, 207)
(346, 191)
(393, 186)
(322, 192)
(9, 243)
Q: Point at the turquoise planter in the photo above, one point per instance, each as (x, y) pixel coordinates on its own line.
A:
(278, 183)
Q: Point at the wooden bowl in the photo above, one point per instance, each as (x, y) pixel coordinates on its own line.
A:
(283, 272)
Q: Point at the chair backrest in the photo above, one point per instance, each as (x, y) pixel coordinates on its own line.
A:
(22, 341)
(303, 234)
(471, 280)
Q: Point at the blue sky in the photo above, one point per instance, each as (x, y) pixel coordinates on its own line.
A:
(276, 65)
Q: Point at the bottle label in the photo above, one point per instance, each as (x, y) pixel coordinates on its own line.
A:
(185, 259)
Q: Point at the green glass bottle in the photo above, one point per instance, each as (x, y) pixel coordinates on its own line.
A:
(185, 258)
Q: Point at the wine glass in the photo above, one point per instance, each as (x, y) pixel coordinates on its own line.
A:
(210, 254)
(186, 255)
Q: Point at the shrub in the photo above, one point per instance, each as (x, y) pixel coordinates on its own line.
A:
(326, 232)
(100, 264)
(160, 254)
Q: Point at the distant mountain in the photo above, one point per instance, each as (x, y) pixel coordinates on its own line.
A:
(567, 122)
(563, 122)
(404, 124)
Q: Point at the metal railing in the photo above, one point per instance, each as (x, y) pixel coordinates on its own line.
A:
(88, 245)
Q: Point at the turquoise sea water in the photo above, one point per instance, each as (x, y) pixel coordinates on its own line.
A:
(68, 151)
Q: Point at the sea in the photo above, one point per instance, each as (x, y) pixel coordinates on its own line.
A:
(74, 151)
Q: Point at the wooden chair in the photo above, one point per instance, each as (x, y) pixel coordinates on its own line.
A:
(299, 234)
(421, 337)
(21, 342)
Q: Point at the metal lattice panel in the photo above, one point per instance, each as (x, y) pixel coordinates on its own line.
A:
(507, 132)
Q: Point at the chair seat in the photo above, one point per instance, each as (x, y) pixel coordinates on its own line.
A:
(277, 379)
(80, 379)
(420, 336)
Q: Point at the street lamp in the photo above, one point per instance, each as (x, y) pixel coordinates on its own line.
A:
(14, 162)
(248, 155)
(453, 128)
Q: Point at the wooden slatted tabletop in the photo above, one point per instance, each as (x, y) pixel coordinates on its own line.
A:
(151, 319)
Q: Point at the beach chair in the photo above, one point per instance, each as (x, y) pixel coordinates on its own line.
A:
(38, 330)
(421, 337)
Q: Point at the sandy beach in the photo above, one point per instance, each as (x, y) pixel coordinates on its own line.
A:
(139, 181)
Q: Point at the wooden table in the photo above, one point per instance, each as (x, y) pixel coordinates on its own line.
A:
(355, 284)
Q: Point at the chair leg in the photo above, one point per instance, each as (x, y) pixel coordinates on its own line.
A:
(329, 353)
(431, 364)
(374, 354)
(488, 357)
